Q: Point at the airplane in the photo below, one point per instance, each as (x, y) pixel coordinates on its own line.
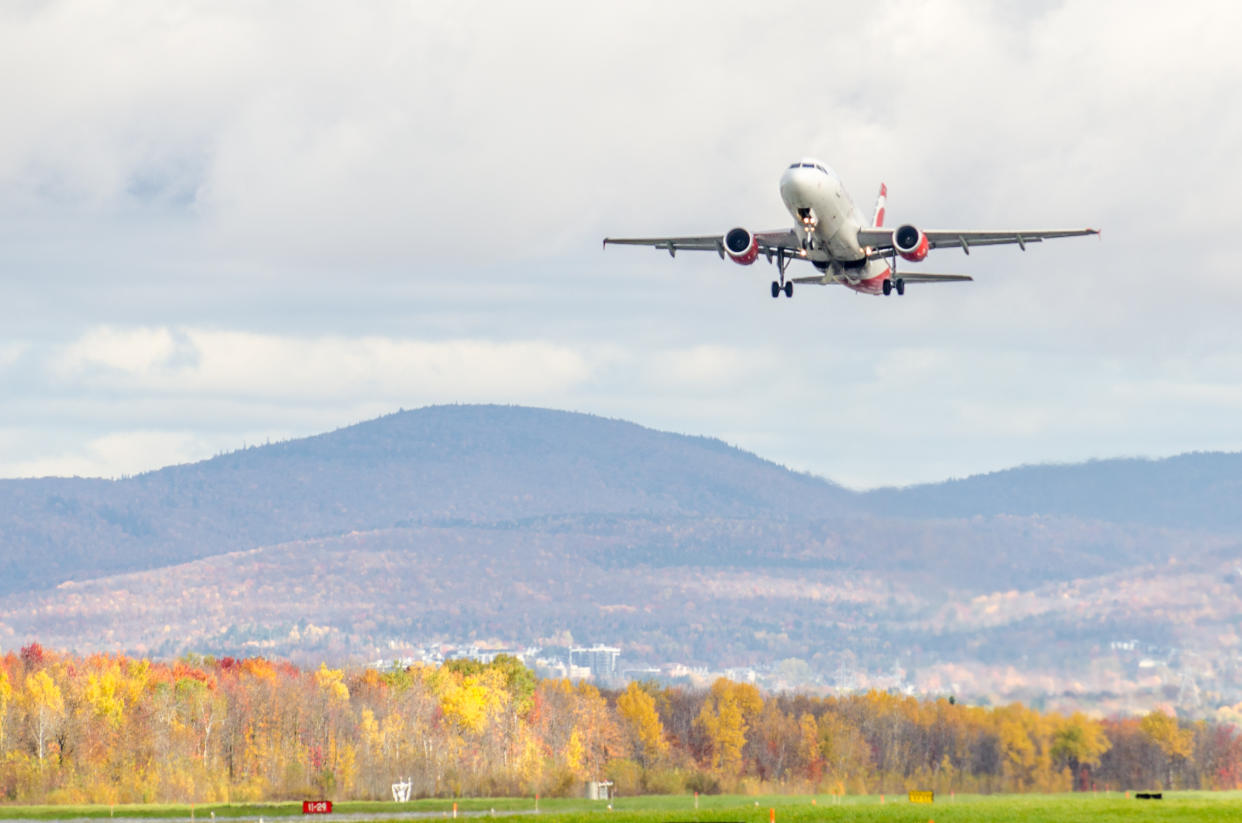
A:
(831, 233)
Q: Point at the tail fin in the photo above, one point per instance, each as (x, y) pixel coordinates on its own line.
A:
(878, 220)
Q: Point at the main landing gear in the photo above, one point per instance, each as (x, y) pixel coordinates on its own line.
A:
(782, 263)
(893, 281)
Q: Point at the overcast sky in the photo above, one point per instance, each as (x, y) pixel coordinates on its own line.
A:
(224, 223)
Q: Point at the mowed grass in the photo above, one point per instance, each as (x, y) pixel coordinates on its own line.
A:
(1182, 807)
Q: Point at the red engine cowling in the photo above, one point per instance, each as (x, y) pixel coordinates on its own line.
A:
(741, 246)
(910, 243)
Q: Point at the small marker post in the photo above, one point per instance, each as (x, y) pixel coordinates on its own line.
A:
(454, 811)
(696, 801)
(772, 815)
(881, 800)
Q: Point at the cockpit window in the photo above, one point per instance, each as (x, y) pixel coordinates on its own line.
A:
(806, 165)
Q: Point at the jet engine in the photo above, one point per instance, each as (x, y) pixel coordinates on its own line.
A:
(910, 243)
(742, 246)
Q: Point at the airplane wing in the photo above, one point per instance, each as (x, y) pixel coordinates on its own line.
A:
(769, 242)
(880, 241)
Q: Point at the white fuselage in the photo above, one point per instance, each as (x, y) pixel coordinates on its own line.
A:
(828, 222)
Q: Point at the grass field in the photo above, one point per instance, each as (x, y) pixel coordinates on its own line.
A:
(1058, 808)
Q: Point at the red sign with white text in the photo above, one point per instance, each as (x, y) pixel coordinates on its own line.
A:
(316, 807)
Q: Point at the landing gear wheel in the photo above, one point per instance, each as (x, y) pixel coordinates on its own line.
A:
(776, 289)
(888, 287)
(901, 286)
(789, 289)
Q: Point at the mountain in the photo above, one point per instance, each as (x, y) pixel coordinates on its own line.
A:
(1191, 491)
(445, 464)
(517, 525)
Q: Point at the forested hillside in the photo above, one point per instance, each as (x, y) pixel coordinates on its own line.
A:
(1113, 583)
(1190, 491)
(446, 464)
(108, 729)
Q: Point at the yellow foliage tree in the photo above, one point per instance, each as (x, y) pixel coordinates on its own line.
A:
(1025, 742)
(6, 694)
(45, 706)
(1079, 741)
(809, 753)
(470, 700)
(725, 719)
(333, 682)
(638, 711)
(575, 756)
(104, 694)
(1173, 741)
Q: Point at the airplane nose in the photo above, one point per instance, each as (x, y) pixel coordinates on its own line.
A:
(796, 185)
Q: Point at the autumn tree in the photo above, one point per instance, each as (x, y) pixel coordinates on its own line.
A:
(725, 717)
(45, 706)
(108, 728)
(6, 694)
(1078, 744)
(637, 709)
(1167, 735)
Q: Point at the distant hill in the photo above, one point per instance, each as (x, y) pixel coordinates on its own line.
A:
(1192, 491)
(443, 464)
(510, 523)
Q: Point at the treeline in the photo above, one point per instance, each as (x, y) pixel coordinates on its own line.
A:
(108, 729)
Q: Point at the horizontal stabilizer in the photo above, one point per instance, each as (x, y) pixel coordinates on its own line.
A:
(916, 277)
(928, 277)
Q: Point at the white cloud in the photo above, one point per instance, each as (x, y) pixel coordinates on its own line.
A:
(10, 353)
(223, 363)
(707, 367)
(268, 218)
(158, 395)
(113, 455)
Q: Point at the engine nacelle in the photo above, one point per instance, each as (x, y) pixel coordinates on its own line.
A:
(910, 243)
(741, 246)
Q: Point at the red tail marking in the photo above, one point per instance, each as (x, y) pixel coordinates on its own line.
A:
(878, 220)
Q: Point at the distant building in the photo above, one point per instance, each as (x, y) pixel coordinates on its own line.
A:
(600, 660)
(642, 673)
